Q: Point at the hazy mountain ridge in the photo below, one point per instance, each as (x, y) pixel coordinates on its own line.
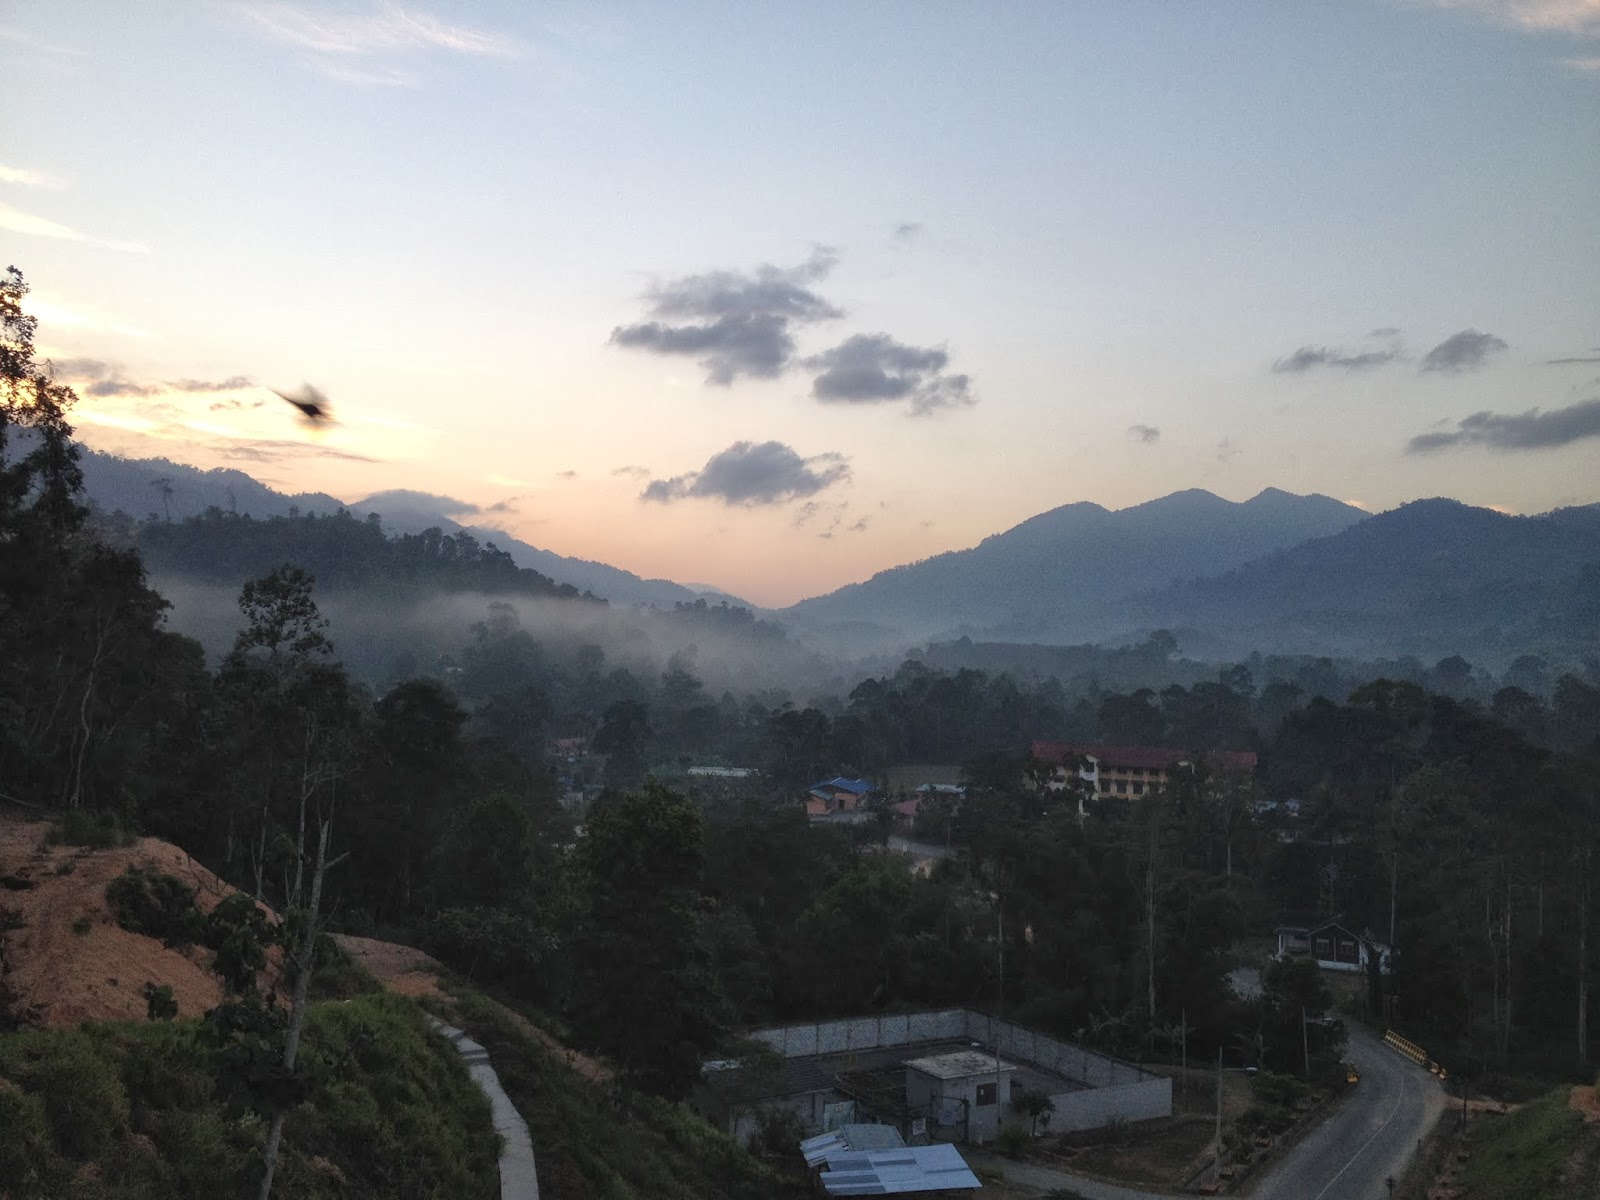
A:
(162, 488)
(1432, 576)
(1054, 575)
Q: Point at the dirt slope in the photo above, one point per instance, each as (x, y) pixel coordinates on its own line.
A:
(58, 976)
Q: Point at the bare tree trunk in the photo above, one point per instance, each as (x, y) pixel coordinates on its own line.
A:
(1506, 925)
(85, 730)
(1583, 960)
(1150, 925)
(303, 958)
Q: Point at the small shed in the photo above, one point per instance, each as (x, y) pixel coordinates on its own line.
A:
(979, 1081)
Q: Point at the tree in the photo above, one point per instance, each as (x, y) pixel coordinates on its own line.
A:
(644, 992)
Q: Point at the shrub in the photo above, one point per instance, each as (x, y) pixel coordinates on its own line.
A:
(159, 1002)
(157, 905)
(240, 933)
(1014, 1139)
(96, 830)
(779, 1132)
(82, 925)
(337, 976)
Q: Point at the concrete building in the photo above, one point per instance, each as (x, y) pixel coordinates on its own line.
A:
(980, 1083)
(1103, 771)
(930, 1074)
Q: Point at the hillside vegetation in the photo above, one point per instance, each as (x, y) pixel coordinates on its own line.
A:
(133, 1110)
(1533, 1153)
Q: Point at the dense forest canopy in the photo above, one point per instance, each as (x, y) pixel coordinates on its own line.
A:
(1440, 809)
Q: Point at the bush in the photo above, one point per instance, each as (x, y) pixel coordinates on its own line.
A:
(779, 1132)
(240, 933)
(157, 905)
(1014, 1139)
(82, 925)
(337, 976)
(96, 830)
(159, 1002)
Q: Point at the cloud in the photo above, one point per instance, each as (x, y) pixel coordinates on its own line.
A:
(118, 387)
(1308, 357)
(1580, 17)
(1145, 434)
(391, 29)
(508, 505)
(234, 383)
(1226, 450)
(234, 405)
(1532, 430)
(275, 450)
(80, 368)
(907, 231)
(1592, 357)
(410, 500)
(736, 323)
(18, 221)
(1385, 331)
(873, 368)
(343, 72)
(26, 178)
(633, 471)
(747, 475)
(1591, 64)
(1464, 351)
(566, 474)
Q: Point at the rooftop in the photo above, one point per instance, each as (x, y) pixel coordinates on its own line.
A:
(960, 1064)
(1160, 758)
(934, 1168)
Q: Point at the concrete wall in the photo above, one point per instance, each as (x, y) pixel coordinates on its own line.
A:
(1112, 1088)
(864, 1033)
(1092, 1108)
(1075, 1062)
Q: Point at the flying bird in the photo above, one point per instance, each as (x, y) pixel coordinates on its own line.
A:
(313, 405)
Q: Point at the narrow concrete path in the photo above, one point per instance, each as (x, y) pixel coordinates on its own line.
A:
(518, 1179)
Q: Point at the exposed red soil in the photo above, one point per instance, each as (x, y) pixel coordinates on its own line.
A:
(60, 977)
(1582, 1099)
(409, 972)
(402, 969)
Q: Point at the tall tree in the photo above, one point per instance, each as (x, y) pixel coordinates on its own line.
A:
(644, 992)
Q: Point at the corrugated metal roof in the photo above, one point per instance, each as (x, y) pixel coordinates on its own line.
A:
(894, 1172)
(859, 787)
(848, 1138)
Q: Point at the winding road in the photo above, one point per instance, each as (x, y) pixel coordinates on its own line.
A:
(1369, 1139)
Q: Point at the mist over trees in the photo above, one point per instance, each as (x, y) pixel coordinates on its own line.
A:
(1439, 808)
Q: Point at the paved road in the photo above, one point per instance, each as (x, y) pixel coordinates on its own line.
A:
(1370, 1138)
(1348, 1157)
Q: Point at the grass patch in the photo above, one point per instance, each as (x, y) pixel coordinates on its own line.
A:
(596, 1142)
(1521, 1156)
(392, 1114)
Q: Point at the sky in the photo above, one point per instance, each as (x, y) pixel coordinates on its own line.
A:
(771, 297)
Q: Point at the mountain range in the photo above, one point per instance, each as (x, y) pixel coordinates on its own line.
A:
(1061, 575)
(1279, 572)
(158, 487)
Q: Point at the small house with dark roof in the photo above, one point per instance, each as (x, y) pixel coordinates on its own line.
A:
(1330, 941)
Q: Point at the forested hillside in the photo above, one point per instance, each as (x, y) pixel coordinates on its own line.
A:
(1443, 809)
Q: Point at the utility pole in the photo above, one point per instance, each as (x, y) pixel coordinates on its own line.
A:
(999, 1003)
(1305, 1042)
